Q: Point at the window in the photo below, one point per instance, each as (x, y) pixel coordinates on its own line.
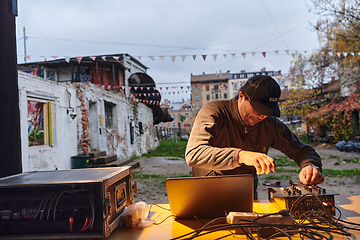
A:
(197, 98)
(207, 97)
(110, 115)
(249, 75)
(141, 129)
(174, 124)
(224, 86)
(179, 115)
(168, 125)
(225, 95)
(207, 87)
(132, 134)
(235, 86)
(179, 124)
(41, 123)
(197, 106)
(242, 75)
(173, 116)
(216, 96)
(186, 115)
(216, 87)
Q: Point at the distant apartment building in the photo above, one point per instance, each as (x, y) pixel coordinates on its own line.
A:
(222, 86)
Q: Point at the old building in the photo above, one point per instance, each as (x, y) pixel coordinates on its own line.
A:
(218, 86)
(71, 106)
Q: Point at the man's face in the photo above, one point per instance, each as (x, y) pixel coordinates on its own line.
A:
(247, 113)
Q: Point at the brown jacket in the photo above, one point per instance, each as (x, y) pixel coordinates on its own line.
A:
(219, 134)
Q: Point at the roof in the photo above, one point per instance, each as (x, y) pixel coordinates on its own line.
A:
(87, 60)
(210, 77)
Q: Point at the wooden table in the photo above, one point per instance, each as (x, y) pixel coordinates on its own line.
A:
(171, 228)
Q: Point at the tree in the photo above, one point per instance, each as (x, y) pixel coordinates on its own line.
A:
(339, 30)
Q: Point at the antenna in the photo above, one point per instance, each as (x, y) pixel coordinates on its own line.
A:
(24, 44)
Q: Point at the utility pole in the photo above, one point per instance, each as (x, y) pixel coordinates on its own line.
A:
(10, 144)
(24, 44)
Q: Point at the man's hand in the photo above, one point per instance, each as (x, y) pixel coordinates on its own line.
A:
(262, 162)
(310, 175)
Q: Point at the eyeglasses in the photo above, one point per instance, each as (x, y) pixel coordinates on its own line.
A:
(260, 116)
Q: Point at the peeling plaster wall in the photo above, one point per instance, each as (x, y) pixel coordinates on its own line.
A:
(46, 157)
(114, 139)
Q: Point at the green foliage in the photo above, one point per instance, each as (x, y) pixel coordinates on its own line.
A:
(182, 117)
(157, 176)
(336, 115)
(284, 161)
(353, 160)
(333, 156)
(341, 173)
(169, 148)
(36, 136)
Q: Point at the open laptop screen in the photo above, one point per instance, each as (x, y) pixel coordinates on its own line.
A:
(210, 197)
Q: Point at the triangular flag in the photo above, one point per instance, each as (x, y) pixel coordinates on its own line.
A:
(78, 59)
(141, 88)
(162, 57)
(264, 54)
(55, 57)
(173, 58)
(352, 53)
(276, 52)
(135, 88)
(152, 58)
(194, 56)
(233, 54)
(331, 54)
(116, 58)
(93, 58)
(183, 57)
(244, 55)
(27, 56)
(139, 57)
(224, 55)
(322, 52)
(345, 54)
(214, 56)
(103, 58)
(204, 57)
(253, 53)
(148, 88)
(339, 54)
(287, 52)
(355, 70)
(67, 59)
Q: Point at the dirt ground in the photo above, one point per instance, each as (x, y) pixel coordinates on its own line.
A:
(153, 190)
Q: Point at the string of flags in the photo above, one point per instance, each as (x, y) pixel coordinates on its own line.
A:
(206, 56)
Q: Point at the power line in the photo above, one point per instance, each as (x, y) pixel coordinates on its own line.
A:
(275, 25)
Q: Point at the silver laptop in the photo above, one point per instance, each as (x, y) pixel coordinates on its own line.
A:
(210, 197)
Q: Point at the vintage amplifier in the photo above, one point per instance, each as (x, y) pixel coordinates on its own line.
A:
(64, 204)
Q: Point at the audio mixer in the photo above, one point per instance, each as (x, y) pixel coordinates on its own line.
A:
(300, 198)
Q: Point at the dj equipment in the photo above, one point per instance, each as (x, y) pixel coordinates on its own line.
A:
(313, 198)
(78, 203)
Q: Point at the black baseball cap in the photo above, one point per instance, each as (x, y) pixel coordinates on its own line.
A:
(264, 94)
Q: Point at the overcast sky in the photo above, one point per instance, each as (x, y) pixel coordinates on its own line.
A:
(233, 34)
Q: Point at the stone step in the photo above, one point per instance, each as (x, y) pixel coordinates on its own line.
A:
(106, 159)
(97, 154)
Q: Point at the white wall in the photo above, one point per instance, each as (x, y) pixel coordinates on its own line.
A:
(116, 140)
(57, 156)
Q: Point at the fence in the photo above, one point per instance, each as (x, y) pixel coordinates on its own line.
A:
(164, 133)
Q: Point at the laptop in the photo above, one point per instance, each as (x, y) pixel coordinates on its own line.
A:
(210, 197)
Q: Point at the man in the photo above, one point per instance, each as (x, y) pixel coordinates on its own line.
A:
(233, 136)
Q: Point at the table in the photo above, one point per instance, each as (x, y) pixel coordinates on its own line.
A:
(170, 228)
